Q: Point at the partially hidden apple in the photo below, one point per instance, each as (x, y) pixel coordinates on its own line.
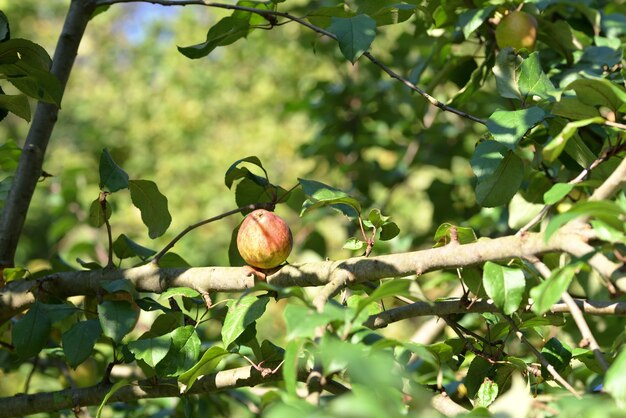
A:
(264, 239)
(517, 30)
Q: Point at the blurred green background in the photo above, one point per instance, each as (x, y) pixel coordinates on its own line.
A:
(284, 95)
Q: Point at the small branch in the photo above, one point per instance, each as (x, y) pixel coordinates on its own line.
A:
(544, 362)
(103, 207)
(579, 178)
(612, 184)
(459, 306)
(314, 28)
(268, 206)
(577, 314)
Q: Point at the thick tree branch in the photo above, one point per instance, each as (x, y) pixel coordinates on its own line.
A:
(31, 161)
(20, 405)
(17, 296)
(432, 100)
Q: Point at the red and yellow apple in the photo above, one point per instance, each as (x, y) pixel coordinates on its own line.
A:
(264, 239)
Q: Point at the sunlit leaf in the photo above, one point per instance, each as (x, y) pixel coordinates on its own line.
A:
(509, 126)
(241, 313)
(549, 291)
(504, 285)
(354, 34)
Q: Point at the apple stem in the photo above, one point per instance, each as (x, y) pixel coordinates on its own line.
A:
(263, 205)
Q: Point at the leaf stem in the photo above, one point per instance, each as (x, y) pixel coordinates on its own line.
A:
(254, 206)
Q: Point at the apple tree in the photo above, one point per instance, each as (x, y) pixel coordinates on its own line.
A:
(458, 231)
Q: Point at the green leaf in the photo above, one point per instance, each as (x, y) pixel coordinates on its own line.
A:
(479, 370)
(17, 104)
(124, 247)
(508, 127)
(241, 313)
(499, 172)
(290, 367)
(321, 195)
(555, 147)
(353, 244)
(472, 19)
(549, 291)
(573, 108)
(183, 353)
(234, 172)
(615, 379)
(17, 50)
(386, 12)
(112, 176)
(599, 92)
(117, 318)
(505, 72)
(606, 211)
(464, 234)
(354, 34)
(486, 394)
(36, 83)
(225, 32)
(96, 216)
(209, 361)
(322, 16)
(153, 206)
(603, 231)
(5, 32)
(397, 287)
(389, 231)
(302, 321)
(9, 156)
(556, 193)
(117, 386)
(557, 354)
(151, 350)
(120, 285)
(504, 285)
(14, 273)
(78, 341)
(179, 291)
(30, 332)
(533, 81)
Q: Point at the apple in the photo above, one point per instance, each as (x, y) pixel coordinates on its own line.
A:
(517, 30)
(264, 239)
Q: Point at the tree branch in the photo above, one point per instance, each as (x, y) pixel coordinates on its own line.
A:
(18, 295)
(30, 165)
(20, 405)
(577, 314)
(460, 306)
(432, 100)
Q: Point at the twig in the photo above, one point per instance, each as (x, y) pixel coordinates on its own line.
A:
(31, 374)
(314, 28)
(544, 362)
(458, 306)
(576, 313)
(268, 206)
(102, 199)
(579, 178)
